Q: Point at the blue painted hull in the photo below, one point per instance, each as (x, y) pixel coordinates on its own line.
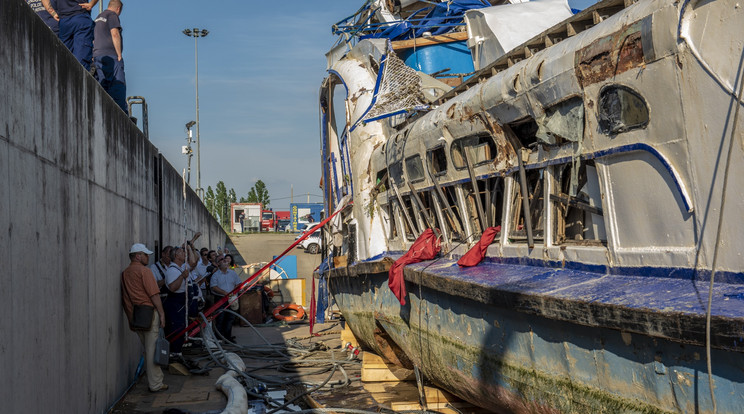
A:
(511, 359)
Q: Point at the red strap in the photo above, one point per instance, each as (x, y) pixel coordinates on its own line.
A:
(313, 308)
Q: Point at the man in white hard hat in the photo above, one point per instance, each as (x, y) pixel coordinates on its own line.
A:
(139, 288)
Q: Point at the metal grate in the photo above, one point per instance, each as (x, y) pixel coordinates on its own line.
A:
(400, 90)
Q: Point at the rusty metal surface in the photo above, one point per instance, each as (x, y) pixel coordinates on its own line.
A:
(609, 56)
(509, 361)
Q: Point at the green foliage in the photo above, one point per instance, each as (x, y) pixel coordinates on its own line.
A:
(222, 204)
(209, 201)
(232, 197)
(258, 194)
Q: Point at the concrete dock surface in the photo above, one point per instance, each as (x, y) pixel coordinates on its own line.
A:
(197, 393)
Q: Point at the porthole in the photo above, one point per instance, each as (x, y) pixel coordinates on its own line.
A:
(621, 109)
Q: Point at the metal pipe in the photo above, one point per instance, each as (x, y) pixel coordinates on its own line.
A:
(517, 145)
(476, 192)
(525, 201)
(450, 214)
(132, 100)
(403, 207)
(428, 219)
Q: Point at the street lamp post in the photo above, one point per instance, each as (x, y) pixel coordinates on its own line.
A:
(196, 33)
(187, 150)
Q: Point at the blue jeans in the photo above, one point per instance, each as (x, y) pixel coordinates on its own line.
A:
(175, 318)
(224, 321)
(76, 33)
(110, 74)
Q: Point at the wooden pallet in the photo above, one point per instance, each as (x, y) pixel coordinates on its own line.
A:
(395, 388)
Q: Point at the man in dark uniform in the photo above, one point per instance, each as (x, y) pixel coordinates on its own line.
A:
(75, 27)
(50, 21)
(107, 50)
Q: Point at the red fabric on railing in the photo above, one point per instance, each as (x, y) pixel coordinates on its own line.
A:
(426, 247)
(195, 326)
(313, 306)
(476, 253)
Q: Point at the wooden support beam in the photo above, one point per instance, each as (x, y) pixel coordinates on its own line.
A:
(375, 369)
(431, 40)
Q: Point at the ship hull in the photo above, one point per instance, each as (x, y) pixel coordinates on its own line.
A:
(510, 361)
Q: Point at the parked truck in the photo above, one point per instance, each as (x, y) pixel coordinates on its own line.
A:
(246, 217)
(268, 220)
(282, 220)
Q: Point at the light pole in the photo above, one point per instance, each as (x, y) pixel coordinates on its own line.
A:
(196, 33)
(187, 150)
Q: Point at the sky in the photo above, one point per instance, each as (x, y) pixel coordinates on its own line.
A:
(260, 70)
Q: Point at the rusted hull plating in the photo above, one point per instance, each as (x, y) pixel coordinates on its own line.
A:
(511, 362)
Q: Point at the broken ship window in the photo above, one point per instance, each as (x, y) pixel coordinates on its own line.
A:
(414, 168)
(408, 205)
(396, 173)
(438, 160)
(578, 204)
(490, 191)
(381, 181)
(482, 148)
(621, 109)
(454, 223)
(517, 231)
(429, 210)
(562, 122)
(526, 130)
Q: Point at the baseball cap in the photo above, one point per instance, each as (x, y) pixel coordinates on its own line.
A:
(139, 248)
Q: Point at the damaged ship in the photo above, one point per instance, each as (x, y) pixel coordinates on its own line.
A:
(601, 149)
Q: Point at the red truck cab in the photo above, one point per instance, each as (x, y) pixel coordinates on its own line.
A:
(268, 220)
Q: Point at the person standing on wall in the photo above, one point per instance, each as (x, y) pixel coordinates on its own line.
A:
(75, 27)
(107, 54)
(139, 288)
(41, 11)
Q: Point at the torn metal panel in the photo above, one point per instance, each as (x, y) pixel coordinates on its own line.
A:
(611, 55)
(562, 121)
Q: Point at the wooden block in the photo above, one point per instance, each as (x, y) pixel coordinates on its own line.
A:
(375, 369)
(339, 261)
(177, 368)
(402, 396)
(436, 399)
(292, 290)
(347, 336)
(251, 308)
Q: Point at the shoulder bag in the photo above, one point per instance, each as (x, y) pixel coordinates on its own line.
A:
(141, 314)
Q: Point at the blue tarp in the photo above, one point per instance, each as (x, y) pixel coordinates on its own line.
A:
(438, 19)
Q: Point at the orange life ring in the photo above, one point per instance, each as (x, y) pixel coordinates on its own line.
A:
(299, 312)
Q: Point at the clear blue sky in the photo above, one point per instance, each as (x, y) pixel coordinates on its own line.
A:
(260, 70)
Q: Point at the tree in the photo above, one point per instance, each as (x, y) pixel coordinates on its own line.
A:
(221, 204)
(209, 201)
(232, 197)
(259, 194)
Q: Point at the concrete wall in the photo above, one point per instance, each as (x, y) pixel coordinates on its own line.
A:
(79, 185)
